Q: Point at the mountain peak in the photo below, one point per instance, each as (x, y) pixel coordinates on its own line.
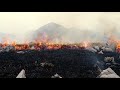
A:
(52, 24)
(50, 28)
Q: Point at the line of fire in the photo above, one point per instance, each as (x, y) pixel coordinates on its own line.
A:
(47, 44)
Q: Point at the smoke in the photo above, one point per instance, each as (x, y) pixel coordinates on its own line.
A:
(102, 29)
(90, 27)
(109, 28)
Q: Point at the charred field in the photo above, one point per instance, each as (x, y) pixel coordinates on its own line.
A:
(67, 63)
(75, 63)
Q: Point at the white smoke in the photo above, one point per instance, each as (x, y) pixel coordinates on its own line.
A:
(93, 27)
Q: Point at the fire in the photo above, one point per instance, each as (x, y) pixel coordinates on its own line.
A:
(13, 43)
(118, 47)
(114, 40)
(40, 43)
(86, 44)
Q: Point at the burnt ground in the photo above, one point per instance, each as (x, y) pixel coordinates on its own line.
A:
(67, 63)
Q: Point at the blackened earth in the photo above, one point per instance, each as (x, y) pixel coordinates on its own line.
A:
(67, 63)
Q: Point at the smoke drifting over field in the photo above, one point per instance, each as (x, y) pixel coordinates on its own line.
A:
(61, 27)
(102, 32)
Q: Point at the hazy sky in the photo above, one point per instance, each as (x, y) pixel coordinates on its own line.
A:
(22, 22)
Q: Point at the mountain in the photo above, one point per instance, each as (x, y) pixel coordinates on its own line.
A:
(51, 28)
(52, 31)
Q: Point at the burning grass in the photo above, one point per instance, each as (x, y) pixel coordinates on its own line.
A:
(50, 46)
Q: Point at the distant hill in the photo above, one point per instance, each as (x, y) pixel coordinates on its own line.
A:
(52, 31)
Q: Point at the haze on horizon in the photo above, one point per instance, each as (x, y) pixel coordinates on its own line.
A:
(22, 23)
